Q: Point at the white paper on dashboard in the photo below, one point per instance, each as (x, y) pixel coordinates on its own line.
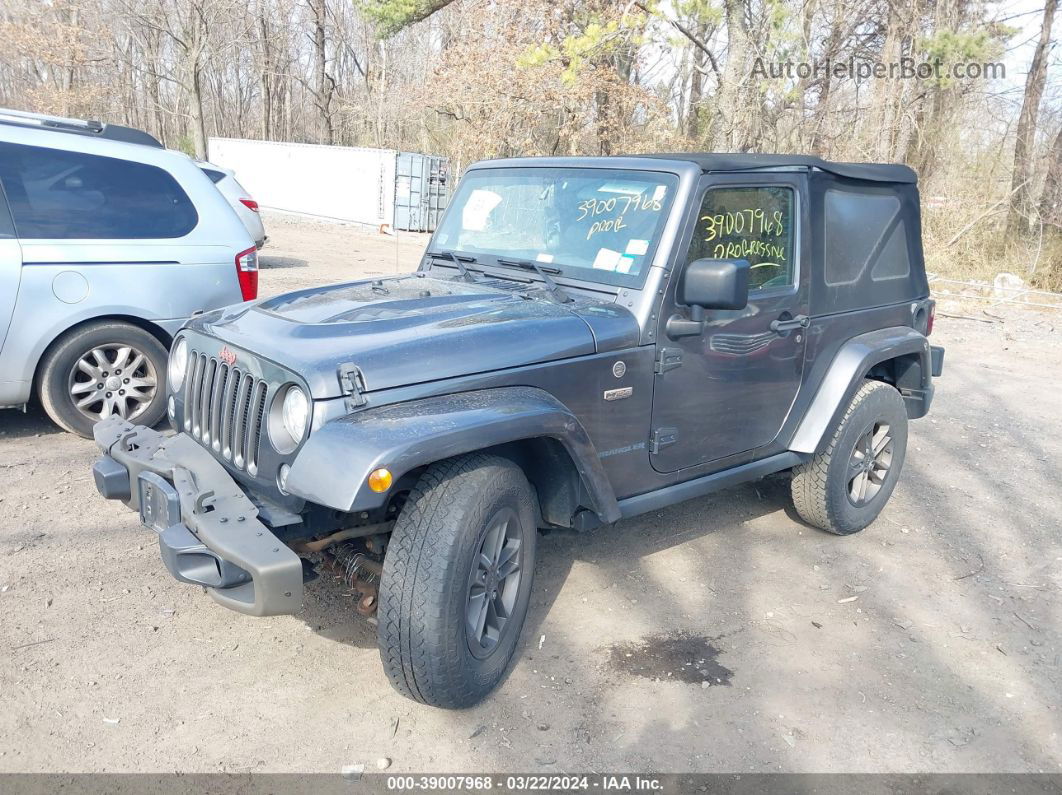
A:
(544, 258)
(606, 259)
(637, 248)
(477, 208)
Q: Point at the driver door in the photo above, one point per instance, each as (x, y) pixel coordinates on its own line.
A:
(729, 389)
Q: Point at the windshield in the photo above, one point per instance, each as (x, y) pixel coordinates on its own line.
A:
(586, 223)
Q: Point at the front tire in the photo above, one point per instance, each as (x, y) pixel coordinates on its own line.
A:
(457, 580)
(103, 369)
(843, 488)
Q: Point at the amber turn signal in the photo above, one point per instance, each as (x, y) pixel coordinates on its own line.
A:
(380, 480)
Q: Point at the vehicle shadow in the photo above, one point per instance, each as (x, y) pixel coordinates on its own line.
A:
(34, 421)
(15, 424)
(328, 607)
(915, 646)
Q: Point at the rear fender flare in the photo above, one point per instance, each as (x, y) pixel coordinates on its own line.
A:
(849, 367)
(334, 464)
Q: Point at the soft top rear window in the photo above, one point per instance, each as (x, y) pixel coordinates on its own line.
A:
(865, 235)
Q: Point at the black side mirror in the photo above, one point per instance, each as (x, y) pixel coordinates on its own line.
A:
(709, 284)
(716, 284)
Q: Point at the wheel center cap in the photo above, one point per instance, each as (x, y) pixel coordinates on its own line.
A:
(113, 383)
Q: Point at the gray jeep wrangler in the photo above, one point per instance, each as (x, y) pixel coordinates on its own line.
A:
(585, 340)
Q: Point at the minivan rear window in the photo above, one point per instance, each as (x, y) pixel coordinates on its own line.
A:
(56, 194)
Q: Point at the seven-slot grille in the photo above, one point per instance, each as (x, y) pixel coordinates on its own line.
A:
(224, 409)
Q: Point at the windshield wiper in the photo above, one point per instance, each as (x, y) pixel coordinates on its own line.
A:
(459, 260)
(555, 290)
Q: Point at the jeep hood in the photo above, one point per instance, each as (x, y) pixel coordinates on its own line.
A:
(412, 329)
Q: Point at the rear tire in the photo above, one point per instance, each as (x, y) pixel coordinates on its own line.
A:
(109, 367)
(843, 488)
(450, 616)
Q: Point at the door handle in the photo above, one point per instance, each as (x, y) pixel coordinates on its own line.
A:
(781, 325)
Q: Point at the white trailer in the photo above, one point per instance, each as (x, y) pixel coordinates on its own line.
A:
(376, 187)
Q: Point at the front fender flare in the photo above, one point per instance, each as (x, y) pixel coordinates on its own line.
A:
(847, 370)
(334, 464)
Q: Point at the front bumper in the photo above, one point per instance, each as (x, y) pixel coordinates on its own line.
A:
(209, 531)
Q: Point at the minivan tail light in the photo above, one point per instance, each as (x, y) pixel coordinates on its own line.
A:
(250, 204)
(247, 271)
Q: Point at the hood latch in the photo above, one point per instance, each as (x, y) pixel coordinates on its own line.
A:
(352, 382)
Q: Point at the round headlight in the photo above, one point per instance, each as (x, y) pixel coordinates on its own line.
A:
(178, 364)
(295, 413)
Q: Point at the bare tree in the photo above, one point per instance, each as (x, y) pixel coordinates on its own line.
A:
(1021, 202)
(1050, 210)
(266, 67)
(324, 83)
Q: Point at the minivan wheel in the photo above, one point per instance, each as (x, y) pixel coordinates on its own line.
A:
(457, 580)
(101, 370)
(843, 488)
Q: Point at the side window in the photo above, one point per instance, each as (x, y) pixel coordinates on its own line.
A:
(748, 223)
(56, 194)
(864, 232)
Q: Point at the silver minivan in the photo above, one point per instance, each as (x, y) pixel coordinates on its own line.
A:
(108, 243)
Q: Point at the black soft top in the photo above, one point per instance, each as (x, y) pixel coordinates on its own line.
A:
(871, 172)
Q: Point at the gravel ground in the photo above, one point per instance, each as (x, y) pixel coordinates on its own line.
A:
(930, 642)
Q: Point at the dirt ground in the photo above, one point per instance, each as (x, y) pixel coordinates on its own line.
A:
(716, 635)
